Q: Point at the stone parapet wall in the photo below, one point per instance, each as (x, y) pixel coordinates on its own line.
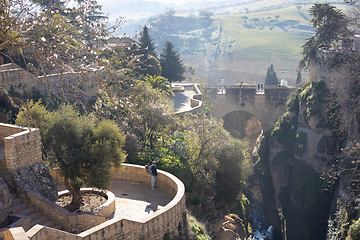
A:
(130, 172)
(169, 219)
(18, 80)
(71, 221)
(267, 107)
(8, 129)
(64, 85)
(22, 146)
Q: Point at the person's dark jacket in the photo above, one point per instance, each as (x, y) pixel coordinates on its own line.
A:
(154, 170)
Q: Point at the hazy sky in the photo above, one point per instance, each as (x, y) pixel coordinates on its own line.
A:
(177, 2)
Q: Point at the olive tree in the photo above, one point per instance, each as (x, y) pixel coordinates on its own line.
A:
(83, 147)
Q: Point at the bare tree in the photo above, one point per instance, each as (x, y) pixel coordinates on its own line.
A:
(45, 40)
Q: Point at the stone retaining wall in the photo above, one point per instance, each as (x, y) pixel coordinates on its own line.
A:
(22, 146)
(65, 85)
(170, 219)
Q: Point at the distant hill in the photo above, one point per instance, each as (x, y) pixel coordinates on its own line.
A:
(239, 43)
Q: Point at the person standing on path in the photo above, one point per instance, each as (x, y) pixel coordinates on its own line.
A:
(154, 174)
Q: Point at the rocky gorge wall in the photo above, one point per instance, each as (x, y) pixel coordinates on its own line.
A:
(291, 160)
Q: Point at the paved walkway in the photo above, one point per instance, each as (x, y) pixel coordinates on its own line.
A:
(182, 99)
(135, 201)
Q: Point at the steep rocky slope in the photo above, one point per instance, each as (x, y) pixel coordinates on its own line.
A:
(36, 178)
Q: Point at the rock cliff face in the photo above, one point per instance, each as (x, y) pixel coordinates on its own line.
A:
(291, 161)
(5, 201)
(36, 177)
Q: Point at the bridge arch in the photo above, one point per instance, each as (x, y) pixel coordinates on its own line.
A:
(241, 124)
(267, 107)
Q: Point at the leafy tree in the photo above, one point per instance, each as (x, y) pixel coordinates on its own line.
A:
(83, 147)
(151, 112)
(298, 78)
(172, 67)
(330, 24)
(147, 46)
(232, 171)
(271, 78)
(50, 4)
(143, 112)
(206, 14)
(217, 160)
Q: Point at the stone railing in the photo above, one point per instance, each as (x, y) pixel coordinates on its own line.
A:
(169, 219)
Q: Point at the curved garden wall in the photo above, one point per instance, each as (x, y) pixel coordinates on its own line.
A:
(169, 219)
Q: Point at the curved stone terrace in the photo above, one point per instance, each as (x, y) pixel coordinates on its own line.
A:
(134, 200)
(187, 97)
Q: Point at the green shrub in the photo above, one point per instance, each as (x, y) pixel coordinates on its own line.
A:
(167, 237)
(354, 230)
(303, 95)
(197, 228)
(319, 86)
(284, 130)
(241, 208)
(293, 103)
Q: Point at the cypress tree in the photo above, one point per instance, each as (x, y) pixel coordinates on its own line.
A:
(146, 61)
(172, 67)
(271, 78)
(298, 78)
(147, 46)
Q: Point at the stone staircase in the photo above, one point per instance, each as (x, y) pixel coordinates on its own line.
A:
(36, 216)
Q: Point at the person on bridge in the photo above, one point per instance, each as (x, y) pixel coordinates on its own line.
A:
(154, 174)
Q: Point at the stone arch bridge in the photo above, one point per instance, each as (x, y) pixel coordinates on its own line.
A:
(267, 105)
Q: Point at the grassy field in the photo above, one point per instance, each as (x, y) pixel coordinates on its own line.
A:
(243, 46)
(264, 38)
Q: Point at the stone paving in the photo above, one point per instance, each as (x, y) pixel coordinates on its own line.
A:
(134, 201)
